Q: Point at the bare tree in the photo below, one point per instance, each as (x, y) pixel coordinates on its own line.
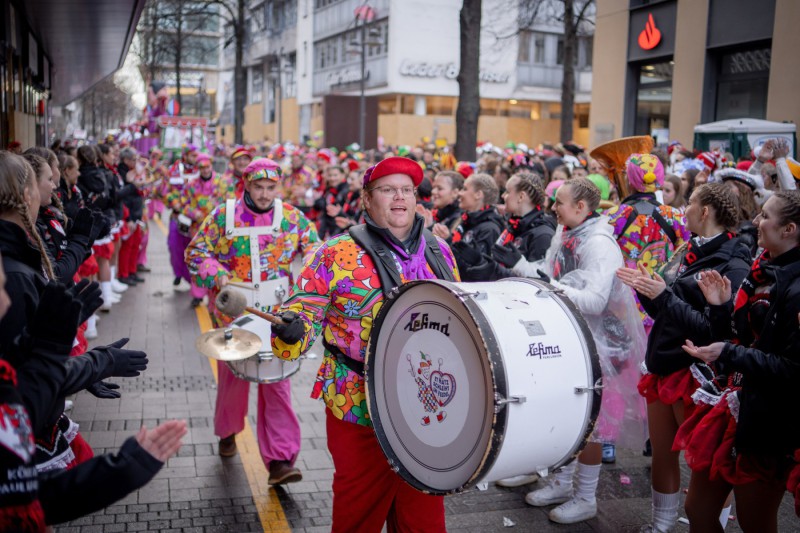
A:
(469, 103)
(105, 107)
(575, 16)
(165, 34)
(572, 21)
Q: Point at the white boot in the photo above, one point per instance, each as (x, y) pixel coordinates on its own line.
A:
(583, 504)
(91, 328)
(557, 489)
(105, 289)
(574, 511)
(116, 285)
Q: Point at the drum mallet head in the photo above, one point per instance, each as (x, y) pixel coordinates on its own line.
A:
(231, 302)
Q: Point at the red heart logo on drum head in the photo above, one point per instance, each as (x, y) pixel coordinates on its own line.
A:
(443, 386)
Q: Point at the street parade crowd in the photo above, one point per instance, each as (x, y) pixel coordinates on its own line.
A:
(683, 263)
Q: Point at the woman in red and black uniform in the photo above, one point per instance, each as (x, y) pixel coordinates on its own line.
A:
(29, 500)
(745, 441)
(28, 269)
(676, 304)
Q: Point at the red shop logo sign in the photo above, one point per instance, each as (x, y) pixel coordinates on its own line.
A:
(650, 36)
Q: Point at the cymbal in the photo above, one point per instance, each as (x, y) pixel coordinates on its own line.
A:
(228, 344)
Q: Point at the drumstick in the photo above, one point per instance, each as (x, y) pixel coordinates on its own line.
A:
(278, 321)
(233, 303)
(240, 285)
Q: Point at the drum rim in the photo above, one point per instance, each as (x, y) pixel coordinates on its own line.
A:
(597, 372)
(245, 377)
(496, 369)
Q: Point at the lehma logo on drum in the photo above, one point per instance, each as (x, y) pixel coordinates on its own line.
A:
(543, 351)
(415, 324)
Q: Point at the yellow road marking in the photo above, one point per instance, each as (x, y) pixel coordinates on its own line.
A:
(267, 503)
(160, 224)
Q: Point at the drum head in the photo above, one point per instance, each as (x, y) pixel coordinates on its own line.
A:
(430, 387)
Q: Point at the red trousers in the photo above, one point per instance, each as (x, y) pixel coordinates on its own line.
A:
(129, 253)
(367, 493)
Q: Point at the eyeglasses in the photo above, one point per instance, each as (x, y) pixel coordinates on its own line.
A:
(391, 192)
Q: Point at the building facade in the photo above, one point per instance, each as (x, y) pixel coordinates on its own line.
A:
(190, 34)
(51, 53)
(305, 72)
(672, 64)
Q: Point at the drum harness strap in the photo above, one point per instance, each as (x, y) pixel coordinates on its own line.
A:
(389, 276)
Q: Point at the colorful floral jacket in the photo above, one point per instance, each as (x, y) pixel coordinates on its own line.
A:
(199, 197)
(173, 193)
(301, 179)
(338, 292)
(645, 242)
(211, 255)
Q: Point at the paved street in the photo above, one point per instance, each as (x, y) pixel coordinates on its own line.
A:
(198, 491)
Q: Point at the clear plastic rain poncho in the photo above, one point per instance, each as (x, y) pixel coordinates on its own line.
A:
(583, 262)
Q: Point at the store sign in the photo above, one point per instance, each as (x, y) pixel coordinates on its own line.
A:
(650, 36)
(423, 69)
(341, 77)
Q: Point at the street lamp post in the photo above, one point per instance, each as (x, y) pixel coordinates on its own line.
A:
(365, 14)
(362, 102)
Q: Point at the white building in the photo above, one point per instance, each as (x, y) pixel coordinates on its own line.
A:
(308, 57)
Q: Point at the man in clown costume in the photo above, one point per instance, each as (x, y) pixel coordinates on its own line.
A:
(179, 173)
(240, 158)
(338, 294)
(220, 253)
(200, 195)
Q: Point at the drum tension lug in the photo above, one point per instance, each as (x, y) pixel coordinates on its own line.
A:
(598, 386)
(500, 402)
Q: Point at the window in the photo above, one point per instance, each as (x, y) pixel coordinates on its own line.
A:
(257, 84)
(319, 4)
(560, 52)
(743, 84)
(653, 98)
(587, 44)
(538, 49)
(524, 47)
(279, 15)
(345, 48)
(198, 50)
(387, 105)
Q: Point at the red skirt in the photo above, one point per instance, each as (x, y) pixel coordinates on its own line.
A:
(669, 390)
(89, 267)
(104, 251)
(708, 441)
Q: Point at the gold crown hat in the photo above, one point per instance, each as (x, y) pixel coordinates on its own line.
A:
(614, 154)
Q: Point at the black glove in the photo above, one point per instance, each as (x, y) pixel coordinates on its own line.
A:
(82, 223)
(102, 224)
(542, 276)
(104, 389)
(88, 293)
(466, 255)
(127, 363)
(483, 271)
(293, 328)
(57, 315)
(506, 255)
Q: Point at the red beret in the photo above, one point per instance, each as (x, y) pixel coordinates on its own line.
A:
(394, 165)
(352, 165)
